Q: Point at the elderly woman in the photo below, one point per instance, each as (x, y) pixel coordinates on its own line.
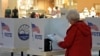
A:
(78, 40)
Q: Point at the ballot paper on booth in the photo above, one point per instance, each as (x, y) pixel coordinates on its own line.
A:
(94, 24)
(14, 34)
(55, 37)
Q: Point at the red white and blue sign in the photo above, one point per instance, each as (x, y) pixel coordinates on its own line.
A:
(5, 27)
(5, 30)
(35, 28)
(93, 26)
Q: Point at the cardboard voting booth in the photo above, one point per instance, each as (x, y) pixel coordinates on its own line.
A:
(94, 23)
(39, 28)
(14, 34)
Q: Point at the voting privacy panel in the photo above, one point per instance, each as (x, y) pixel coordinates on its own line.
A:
(29, 34)
(11, 36)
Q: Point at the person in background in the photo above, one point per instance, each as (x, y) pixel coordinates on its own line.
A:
(56, 12)
(15, 13)
(33, 15)
(78, 39)
(8, 13)
(42, 16)
(37, 15)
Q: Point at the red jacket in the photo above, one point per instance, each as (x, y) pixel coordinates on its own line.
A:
(78, 40)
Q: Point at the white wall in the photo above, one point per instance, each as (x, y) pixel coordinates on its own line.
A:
(12, 4)
(6, 3)
(3, 6)
(0, 8)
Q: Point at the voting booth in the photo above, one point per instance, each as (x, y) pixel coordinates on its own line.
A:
(38, 30)
(14, 34)
(94, 23)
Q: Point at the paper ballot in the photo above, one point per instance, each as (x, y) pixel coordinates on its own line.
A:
(55, 37)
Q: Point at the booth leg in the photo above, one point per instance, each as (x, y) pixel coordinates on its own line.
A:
(22, 54)
(28, 54)
(99, 52)
(12, 53)
(34, 55)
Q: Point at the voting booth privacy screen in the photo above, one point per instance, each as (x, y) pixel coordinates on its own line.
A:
(38, 30)
(58, 26)
(14, 34)
(94, 24)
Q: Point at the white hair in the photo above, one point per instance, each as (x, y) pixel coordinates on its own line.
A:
(73, 15)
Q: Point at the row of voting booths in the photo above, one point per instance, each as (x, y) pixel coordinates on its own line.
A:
(28, 34)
